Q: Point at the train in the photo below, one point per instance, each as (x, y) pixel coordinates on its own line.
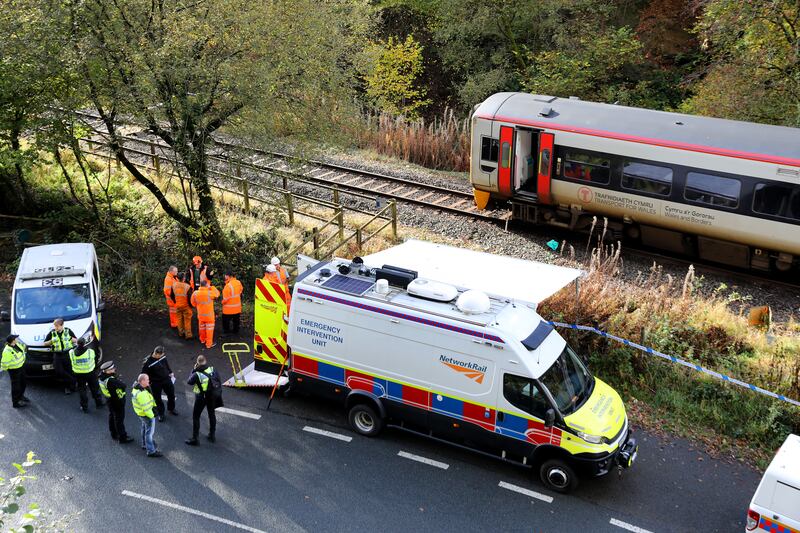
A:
(718, 190)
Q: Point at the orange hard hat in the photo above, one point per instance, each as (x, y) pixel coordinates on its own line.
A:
(197, 259)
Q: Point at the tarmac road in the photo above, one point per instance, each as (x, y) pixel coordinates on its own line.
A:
(275, 474)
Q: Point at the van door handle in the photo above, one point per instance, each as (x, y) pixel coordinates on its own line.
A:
(500, 416)
(394, 321)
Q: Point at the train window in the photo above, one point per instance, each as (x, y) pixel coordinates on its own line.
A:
(489, 149)
(780, 200)
(712, 190)
(587, 167)
(646, 178)
(506, 155)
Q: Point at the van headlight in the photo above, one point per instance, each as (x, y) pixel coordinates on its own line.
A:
(593, 439)
(88, 337)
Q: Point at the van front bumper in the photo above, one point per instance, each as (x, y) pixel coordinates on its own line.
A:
(596, 465)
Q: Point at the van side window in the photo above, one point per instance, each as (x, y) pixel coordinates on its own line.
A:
(523, 393)
(585, 167)
(489, 149)
(712, 190)
(780, 200)
(646, 178)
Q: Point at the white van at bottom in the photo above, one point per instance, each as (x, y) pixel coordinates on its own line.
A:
(56, 281)
(776, 504)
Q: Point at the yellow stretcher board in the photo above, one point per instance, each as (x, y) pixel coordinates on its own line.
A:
(271, 323)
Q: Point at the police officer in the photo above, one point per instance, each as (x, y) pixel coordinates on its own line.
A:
(13, 360)
(161, 379)
(82, 359)
(204, 398)
(61, 340)
(112, 388)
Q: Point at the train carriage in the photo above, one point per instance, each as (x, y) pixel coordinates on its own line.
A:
(720, 190)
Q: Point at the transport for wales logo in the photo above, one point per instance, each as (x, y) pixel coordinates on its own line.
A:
(472, 371)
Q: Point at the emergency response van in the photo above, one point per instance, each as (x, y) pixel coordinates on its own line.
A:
(776, 503)
(447, 343)
(56, 281)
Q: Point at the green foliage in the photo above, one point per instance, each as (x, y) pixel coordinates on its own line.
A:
(12, 518)
(393, 80)
(754, 68)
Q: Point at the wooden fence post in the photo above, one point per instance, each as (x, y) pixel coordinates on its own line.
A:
(340, 221)
(156, 162)
(315, 239)
(394, 219)
(335, 195)
(358, 238)
(290, 207)
(245, 189)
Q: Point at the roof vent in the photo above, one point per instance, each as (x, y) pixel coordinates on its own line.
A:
(545, 111)
(382, 286)
(57, 253)
(678, 123)
(432, 290)
(473, 302)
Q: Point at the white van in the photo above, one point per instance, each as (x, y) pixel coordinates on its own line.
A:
(56, 281)
(447, 343)
(776, 504)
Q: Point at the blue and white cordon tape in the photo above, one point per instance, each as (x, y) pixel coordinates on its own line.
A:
(687, 364)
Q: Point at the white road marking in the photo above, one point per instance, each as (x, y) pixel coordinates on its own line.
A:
(526, 492)
(629, 527)
(2, 436)
(192, 511)
(418, 458)
(330, 434)
(236, 412)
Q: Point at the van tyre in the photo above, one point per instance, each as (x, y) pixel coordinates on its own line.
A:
(364, 420)
(558, 476)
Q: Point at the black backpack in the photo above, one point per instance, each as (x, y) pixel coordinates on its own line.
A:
(214, 386)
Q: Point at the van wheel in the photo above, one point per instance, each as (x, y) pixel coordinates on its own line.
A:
(364, 420)
(558, 476)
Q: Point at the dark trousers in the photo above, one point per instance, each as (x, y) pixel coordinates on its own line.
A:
(200, 403)
(169, 388)
(230, 320)
(63, 369)
(89, 379)
(116, 420)
(18, 384)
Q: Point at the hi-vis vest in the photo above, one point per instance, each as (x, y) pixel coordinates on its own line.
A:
(143, 402)
(203, 378)
(104, 388)
(181, 292)
(13, 356)
(203, 300)
(62, 341)
(169, 281)
(84, 363)
(232, 297)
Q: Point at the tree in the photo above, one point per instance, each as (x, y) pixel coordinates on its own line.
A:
(185, 69)
(393, 80)
(754, 68)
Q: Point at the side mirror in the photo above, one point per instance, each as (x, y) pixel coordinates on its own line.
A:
(5, 316)
(101, 306)
(549, 418)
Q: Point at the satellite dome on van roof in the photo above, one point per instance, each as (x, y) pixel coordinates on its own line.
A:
(473, 302)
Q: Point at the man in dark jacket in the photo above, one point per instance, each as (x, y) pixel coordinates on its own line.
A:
(205, 382)
(114, 390)
(161, 379)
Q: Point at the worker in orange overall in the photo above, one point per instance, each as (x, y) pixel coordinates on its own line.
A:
(231, 304)
(203, 299)
(279, 277)
(180, 292)
(169, 280)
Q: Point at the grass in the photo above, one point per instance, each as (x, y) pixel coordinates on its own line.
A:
(442, 144)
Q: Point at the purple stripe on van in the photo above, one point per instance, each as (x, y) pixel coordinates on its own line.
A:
(403, 316)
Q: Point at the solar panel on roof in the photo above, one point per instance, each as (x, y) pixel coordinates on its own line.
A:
(537, 337)
(348, 285)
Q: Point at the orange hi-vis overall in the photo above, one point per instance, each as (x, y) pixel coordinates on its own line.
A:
(180, 291)
(169, 281)
(203, 299)
(232, 297)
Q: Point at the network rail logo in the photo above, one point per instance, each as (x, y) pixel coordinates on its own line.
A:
(473, 371)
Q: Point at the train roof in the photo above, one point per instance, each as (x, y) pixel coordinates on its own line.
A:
(747, 140)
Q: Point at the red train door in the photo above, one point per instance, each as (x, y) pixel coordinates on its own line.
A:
(505, 170)
(545, 167)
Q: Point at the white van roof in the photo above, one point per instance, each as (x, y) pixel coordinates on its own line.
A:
(52, 260)
(496, 275)
(784, 470)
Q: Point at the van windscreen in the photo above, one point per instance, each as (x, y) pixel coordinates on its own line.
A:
(39, 305)
(568, 381)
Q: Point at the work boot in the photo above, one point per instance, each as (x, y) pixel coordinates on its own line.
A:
(155, 454)
(173, 412)
(161, 418)
(84, 408)
(125, 440)
(211, 437)
(67, 391)
(26, 399)
(192, 442)
(18, 405)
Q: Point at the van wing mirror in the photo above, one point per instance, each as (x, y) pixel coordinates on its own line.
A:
(5, 316)
(549, 418)
(101, 306)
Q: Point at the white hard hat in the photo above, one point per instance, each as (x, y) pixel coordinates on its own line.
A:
(275, 261)
(271, 268)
